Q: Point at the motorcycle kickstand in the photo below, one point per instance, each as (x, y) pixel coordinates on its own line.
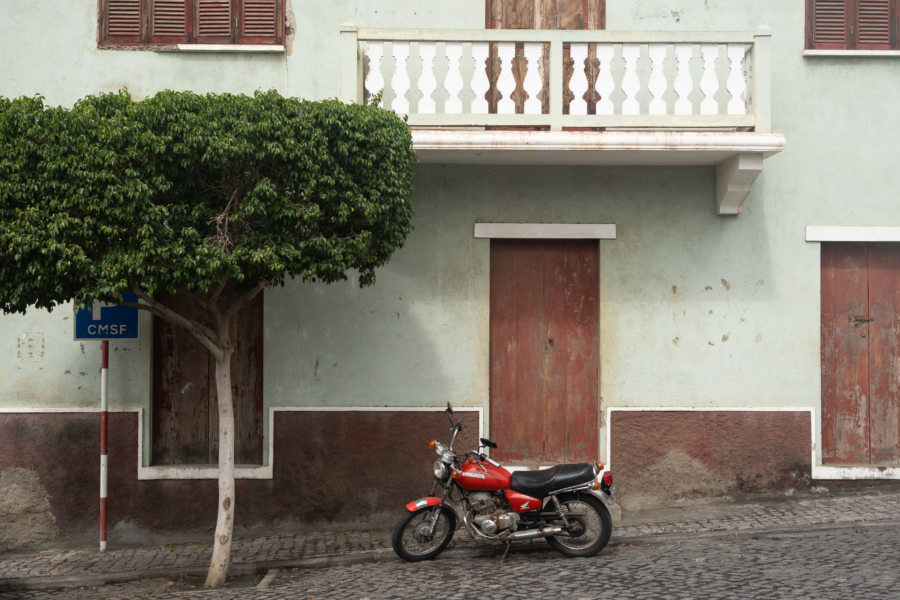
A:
(505, 551)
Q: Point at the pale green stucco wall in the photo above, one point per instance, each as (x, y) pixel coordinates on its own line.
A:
(696, 309)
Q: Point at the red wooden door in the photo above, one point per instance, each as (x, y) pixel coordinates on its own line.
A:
(185, 409)
(543, 350)
(861, 353)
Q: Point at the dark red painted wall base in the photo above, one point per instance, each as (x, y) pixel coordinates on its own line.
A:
(662, 457)
(329, 466)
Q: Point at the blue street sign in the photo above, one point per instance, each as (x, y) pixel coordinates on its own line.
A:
(101, 321)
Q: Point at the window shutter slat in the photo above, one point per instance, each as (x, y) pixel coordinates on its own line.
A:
(829, 24)
(214, 20)
(874, 24)
(259, 21)
(168, 20)
(122, 21)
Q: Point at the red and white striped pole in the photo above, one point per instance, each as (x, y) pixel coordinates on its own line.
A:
(104, 427)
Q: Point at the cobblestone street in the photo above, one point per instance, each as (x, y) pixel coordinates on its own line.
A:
(853, 562)
(817, 544)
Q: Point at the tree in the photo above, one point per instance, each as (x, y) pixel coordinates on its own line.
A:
(197, 194)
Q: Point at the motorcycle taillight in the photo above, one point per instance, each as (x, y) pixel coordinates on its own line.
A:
(608, 478)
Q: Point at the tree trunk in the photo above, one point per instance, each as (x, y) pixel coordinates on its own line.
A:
(221, 557)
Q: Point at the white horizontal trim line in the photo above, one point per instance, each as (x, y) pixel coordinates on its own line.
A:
(840, 233)
(856, 472)
(270, 48)
(202, 472)
(852, 53)
(266, 471)
(566, 231)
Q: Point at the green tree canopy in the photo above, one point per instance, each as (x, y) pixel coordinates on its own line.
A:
(183, 191)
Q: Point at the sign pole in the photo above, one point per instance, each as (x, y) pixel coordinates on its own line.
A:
(104, 428)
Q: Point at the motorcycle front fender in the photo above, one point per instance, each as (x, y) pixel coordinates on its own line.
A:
(422, 503)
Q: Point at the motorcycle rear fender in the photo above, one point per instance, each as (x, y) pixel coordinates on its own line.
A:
(422, 503)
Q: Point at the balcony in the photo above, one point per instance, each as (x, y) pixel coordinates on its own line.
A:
(553, 97)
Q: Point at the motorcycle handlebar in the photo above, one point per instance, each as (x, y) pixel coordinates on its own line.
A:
(489, 460)
(456, 429)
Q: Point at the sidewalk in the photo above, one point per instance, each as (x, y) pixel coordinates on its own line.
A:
(801, 511)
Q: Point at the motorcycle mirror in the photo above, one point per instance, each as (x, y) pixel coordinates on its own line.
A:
(488, 443)
(449, 410)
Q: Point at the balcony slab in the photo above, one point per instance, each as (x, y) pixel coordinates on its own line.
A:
(737, 155)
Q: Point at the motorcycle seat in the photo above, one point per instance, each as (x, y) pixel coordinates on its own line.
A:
(539, 484)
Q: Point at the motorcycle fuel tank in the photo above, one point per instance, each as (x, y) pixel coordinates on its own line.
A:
(474, 475)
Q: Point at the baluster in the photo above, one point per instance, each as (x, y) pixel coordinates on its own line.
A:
(709, 82)
(480, 82)
(605, 84)
(684, 85)
(453, 83)
(427, 82)
(578, 83)
(736, 84)
(506, 82)
(374, 79)
(631, 83)
(657, 83)
(400, 81)
(533, 80)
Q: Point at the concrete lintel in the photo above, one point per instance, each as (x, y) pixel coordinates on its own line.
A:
(559, 231)
(734, 178)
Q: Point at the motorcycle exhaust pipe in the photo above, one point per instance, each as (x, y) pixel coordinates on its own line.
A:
(530, 534)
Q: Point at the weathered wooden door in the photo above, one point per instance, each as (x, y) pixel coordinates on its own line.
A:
(545, 14)
(544, 350)
(185, 410)
(861, 353)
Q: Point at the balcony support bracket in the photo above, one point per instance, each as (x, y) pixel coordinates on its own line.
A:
(734, 178)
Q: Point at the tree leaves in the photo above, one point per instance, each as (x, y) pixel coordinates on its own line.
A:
(183, 192)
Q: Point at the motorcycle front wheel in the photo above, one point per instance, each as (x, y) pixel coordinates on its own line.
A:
(415, 538)
(589, 526)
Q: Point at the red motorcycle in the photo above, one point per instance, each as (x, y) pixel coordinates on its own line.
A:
(566, 504)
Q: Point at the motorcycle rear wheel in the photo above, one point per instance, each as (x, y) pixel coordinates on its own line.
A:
(590, 526)
(415, 540)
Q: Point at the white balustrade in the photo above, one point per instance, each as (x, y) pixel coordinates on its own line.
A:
(631, 83)
(480, 82)
(605, 85)
(709, 81)
(579, 83)
(400, 81)
(736, 83)
(638, 84)
(533, 82)
(506, 82)
(427, 81)
(657, 83)
(453, 83)
(374, 79)
(683, 83)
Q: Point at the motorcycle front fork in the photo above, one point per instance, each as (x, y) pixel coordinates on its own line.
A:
(437, 507)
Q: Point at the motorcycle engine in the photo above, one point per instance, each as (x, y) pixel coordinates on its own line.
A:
(491, 513)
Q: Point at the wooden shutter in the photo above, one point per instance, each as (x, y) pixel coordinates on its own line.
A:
(852, 24)
(120, 21)
(828, 24)
(168, 21)
(874, 24)
(214, 21)
(260, 22)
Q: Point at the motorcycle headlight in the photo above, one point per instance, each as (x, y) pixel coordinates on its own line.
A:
(440, 470)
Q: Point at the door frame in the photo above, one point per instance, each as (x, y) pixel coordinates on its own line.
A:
(847, 233)
(557, 231)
